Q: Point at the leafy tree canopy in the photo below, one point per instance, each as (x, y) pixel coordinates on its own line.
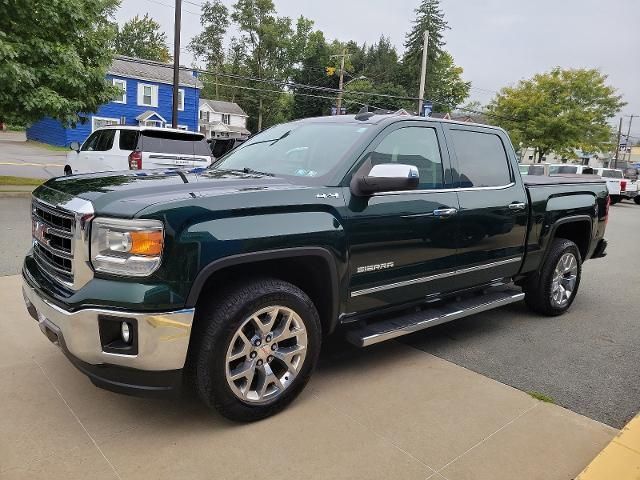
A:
(53, 58)
(558, 111)
(142, 38)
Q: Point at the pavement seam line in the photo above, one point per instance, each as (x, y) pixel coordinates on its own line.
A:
(485, 439)
(77, 418)
(366, 427)
(618, 442)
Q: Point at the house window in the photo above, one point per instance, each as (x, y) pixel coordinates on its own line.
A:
(122, 84)
(99, 122)
(147, 95)
(181, 99)
(226, 118)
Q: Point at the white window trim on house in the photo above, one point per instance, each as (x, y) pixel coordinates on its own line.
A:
(181, 99)
(123, 83)
(116, 121)
(228, 118)
(153, 96)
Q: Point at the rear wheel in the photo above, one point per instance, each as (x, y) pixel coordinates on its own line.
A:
(260, 344)
(615, 199)
(637, 199)
(67, 170)
(552, 290)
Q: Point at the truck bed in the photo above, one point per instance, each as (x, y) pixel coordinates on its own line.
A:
(534, 180)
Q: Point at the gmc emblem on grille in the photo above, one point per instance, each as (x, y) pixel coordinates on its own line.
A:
(40, 232)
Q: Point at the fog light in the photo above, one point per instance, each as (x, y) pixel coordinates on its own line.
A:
(125, 331)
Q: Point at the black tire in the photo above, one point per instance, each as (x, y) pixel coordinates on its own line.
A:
(67, 170)
(217, 322)
(637, 199)
(538, 286)
(615, 199)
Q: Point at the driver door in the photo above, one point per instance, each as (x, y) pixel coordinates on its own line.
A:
(402, 244)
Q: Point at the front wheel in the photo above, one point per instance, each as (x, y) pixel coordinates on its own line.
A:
(260, 344)
(637, 199)
(552, 290)
(67, 170)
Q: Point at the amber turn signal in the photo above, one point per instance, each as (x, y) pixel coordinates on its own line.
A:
(146, 243)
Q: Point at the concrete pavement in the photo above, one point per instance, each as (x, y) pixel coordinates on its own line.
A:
(390, 411)
(23, 159)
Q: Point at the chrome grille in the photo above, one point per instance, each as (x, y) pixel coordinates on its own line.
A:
(53, 236)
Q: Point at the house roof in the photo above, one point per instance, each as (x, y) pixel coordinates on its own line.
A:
(221, 106)
(148, 70)
(146, 115)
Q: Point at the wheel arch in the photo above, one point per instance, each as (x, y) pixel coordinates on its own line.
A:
(577, 228)
(312, 269)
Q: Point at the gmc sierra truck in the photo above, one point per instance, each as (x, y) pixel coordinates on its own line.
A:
(225, 280)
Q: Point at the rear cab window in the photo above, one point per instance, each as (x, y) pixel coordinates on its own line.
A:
(557, 169)
(609, 173)
(482, 159)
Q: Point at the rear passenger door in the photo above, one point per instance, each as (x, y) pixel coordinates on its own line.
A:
(493, 213)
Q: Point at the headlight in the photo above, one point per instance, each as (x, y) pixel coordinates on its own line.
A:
(126, 247)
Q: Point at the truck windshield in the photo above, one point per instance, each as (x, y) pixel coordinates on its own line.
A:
(308, 150)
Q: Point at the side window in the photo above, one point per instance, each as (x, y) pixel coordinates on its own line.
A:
(90, 143)
(128, 140)
(482, 159)
(105, 140)
(417, 146)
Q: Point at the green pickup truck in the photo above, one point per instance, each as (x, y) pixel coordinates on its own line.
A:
(225, 280)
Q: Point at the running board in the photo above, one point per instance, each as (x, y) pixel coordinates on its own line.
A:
(380, 331)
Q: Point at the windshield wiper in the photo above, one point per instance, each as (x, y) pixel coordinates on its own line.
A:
(286, 134)
(257, 172)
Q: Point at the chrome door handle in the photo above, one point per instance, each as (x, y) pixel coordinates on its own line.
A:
(517, 206)
(445, 212)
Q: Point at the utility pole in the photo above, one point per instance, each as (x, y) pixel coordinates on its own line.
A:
(628, 146)
(176, 63)
(343, 55)
(423, 72)
(615, 158)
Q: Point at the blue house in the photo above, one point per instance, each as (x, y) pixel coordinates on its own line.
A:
(147, 89)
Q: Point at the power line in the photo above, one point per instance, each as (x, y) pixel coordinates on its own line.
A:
(173, 6)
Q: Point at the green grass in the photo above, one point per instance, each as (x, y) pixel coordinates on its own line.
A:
(8, 180)
(542, 397)
(46, 146)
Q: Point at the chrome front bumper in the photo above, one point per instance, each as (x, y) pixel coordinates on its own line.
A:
(163, 338)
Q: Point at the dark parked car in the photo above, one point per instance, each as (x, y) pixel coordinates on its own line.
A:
(227, 280)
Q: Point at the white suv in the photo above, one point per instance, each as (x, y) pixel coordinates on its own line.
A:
(618, 186)
(134, 148)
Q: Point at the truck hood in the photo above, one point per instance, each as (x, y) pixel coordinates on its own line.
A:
(123, 194)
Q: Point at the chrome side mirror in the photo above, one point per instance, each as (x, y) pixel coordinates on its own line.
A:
(385, 177)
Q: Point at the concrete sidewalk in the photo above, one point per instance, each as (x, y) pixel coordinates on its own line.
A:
(389, 411)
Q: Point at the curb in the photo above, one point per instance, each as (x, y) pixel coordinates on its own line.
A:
(620, 460)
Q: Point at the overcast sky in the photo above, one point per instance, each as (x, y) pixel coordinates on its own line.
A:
(496, 42)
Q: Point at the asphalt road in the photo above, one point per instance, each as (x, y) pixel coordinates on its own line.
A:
(587, 360)
(19, 158)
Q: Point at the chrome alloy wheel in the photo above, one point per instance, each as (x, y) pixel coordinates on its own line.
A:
(564, 280)
(266, 354)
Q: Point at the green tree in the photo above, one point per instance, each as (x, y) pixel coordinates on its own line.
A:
(208, 45)
(142, 38)
(444, 85)
(558, 111)
(53, 58)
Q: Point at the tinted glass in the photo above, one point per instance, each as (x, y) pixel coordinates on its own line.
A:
(482, 159)
(611, 173)
(295, 149)
(170, 142)
(105, 140)
(555, 169)
(90, 143)
(202, 148)
(536, 170)
(128, 139)
(417, 146)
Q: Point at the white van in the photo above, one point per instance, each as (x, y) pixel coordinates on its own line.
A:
(134, 148)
